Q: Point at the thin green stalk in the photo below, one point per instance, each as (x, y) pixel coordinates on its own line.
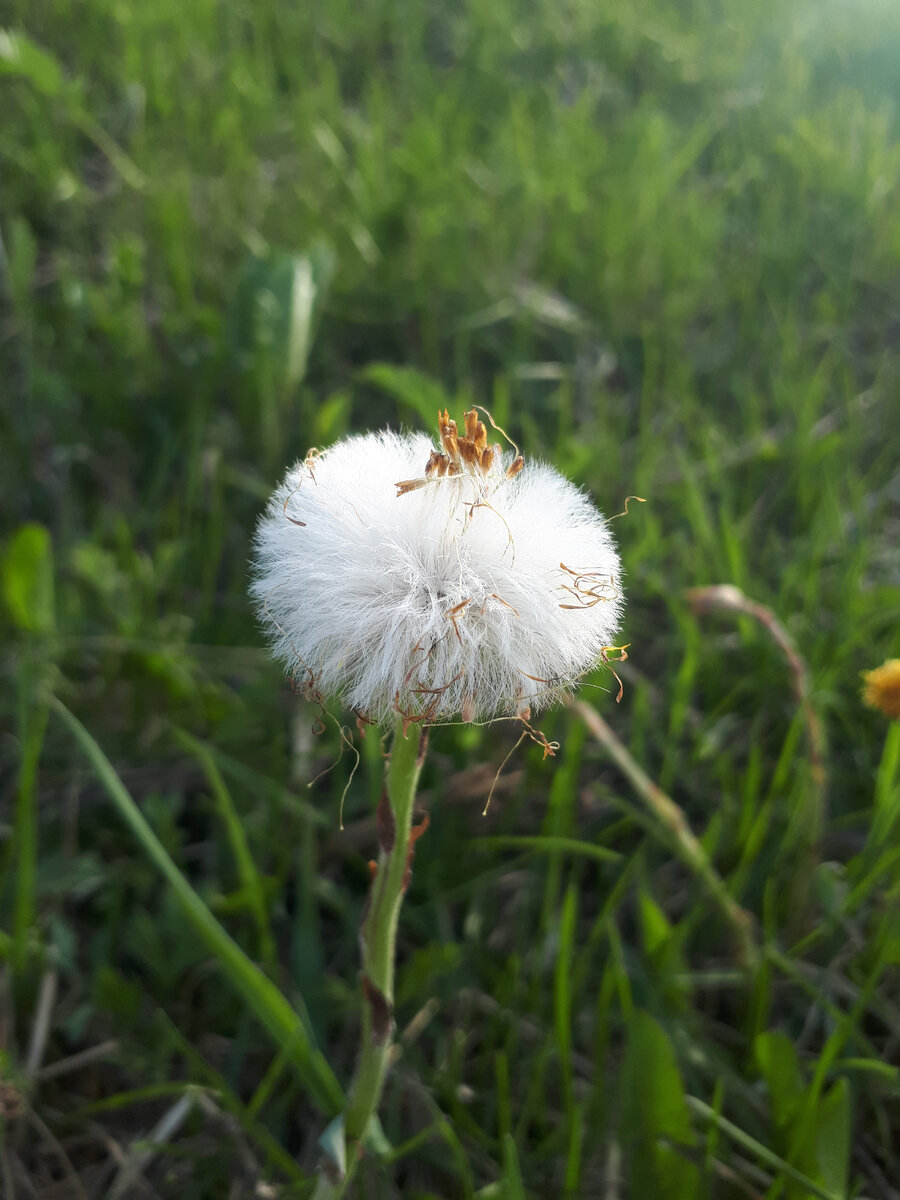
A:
(251, 882)
(379, 937)
(763, 1153)
(271, 1007)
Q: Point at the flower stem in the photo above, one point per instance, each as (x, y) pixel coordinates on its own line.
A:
(378, 938)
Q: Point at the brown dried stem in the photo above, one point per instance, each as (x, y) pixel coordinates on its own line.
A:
(678, 832)
(726, 597)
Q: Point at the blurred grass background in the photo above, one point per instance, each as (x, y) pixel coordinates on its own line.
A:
(662, 244)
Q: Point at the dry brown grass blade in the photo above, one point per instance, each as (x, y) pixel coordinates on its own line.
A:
(75, 1062)
(726, 597)
(40, 1029)
(43, 1131)
(680, 834)
(142, 1151)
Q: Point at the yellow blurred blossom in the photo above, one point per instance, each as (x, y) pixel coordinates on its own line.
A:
(882, 688)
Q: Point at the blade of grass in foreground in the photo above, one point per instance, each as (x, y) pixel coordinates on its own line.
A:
(249, 876)
(272, 1008)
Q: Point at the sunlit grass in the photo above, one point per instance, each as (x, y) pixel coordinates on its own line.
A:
(661, 244)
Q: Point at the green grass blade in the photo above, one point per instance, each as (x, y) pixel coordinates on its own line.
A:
(887, 792)
(763, 1153)
(562, 991)
(271, 1007)
(653, 1117)
(272, 790)
(229, 1100)
(550, 844)
(246, 867)
(512, 1175)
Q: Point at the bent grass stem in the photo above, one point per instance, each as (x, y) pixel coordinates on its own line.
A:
(679, 834)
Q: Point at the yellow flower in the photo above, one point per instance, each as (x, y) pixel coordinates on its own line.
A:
(882, 688)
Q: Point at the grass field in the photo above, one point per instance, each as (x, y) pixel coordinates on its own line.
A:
(661, 242)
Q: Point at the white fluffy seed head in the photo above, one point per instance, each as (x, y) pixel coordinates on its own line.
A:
(435, 583)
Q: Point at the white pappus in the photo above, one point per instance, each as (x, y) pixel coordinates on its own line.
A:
(435, 583)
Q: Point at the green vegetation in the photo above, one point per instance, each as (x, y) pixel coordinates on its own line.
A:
(662, 244)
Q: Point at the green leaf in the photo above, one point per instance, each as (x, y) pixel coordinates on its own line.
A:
(273, 314)
(512, 1175)
(777, 1061)
(653, 1112)
(277, 298)
(22, 260)
(411, 388)
(27, 579)
(654, 924)
(833, 1136)
(19, 55)
(330, 418)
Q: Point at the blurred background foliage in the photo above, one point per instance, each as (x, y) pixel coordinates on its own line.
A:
(662, 244)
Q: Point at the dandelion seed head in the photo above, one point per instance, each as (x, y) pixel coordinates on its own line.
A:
(456, 581)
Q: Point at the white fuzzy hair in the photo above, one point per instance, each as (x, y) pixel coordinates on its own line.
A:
(471, 596)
